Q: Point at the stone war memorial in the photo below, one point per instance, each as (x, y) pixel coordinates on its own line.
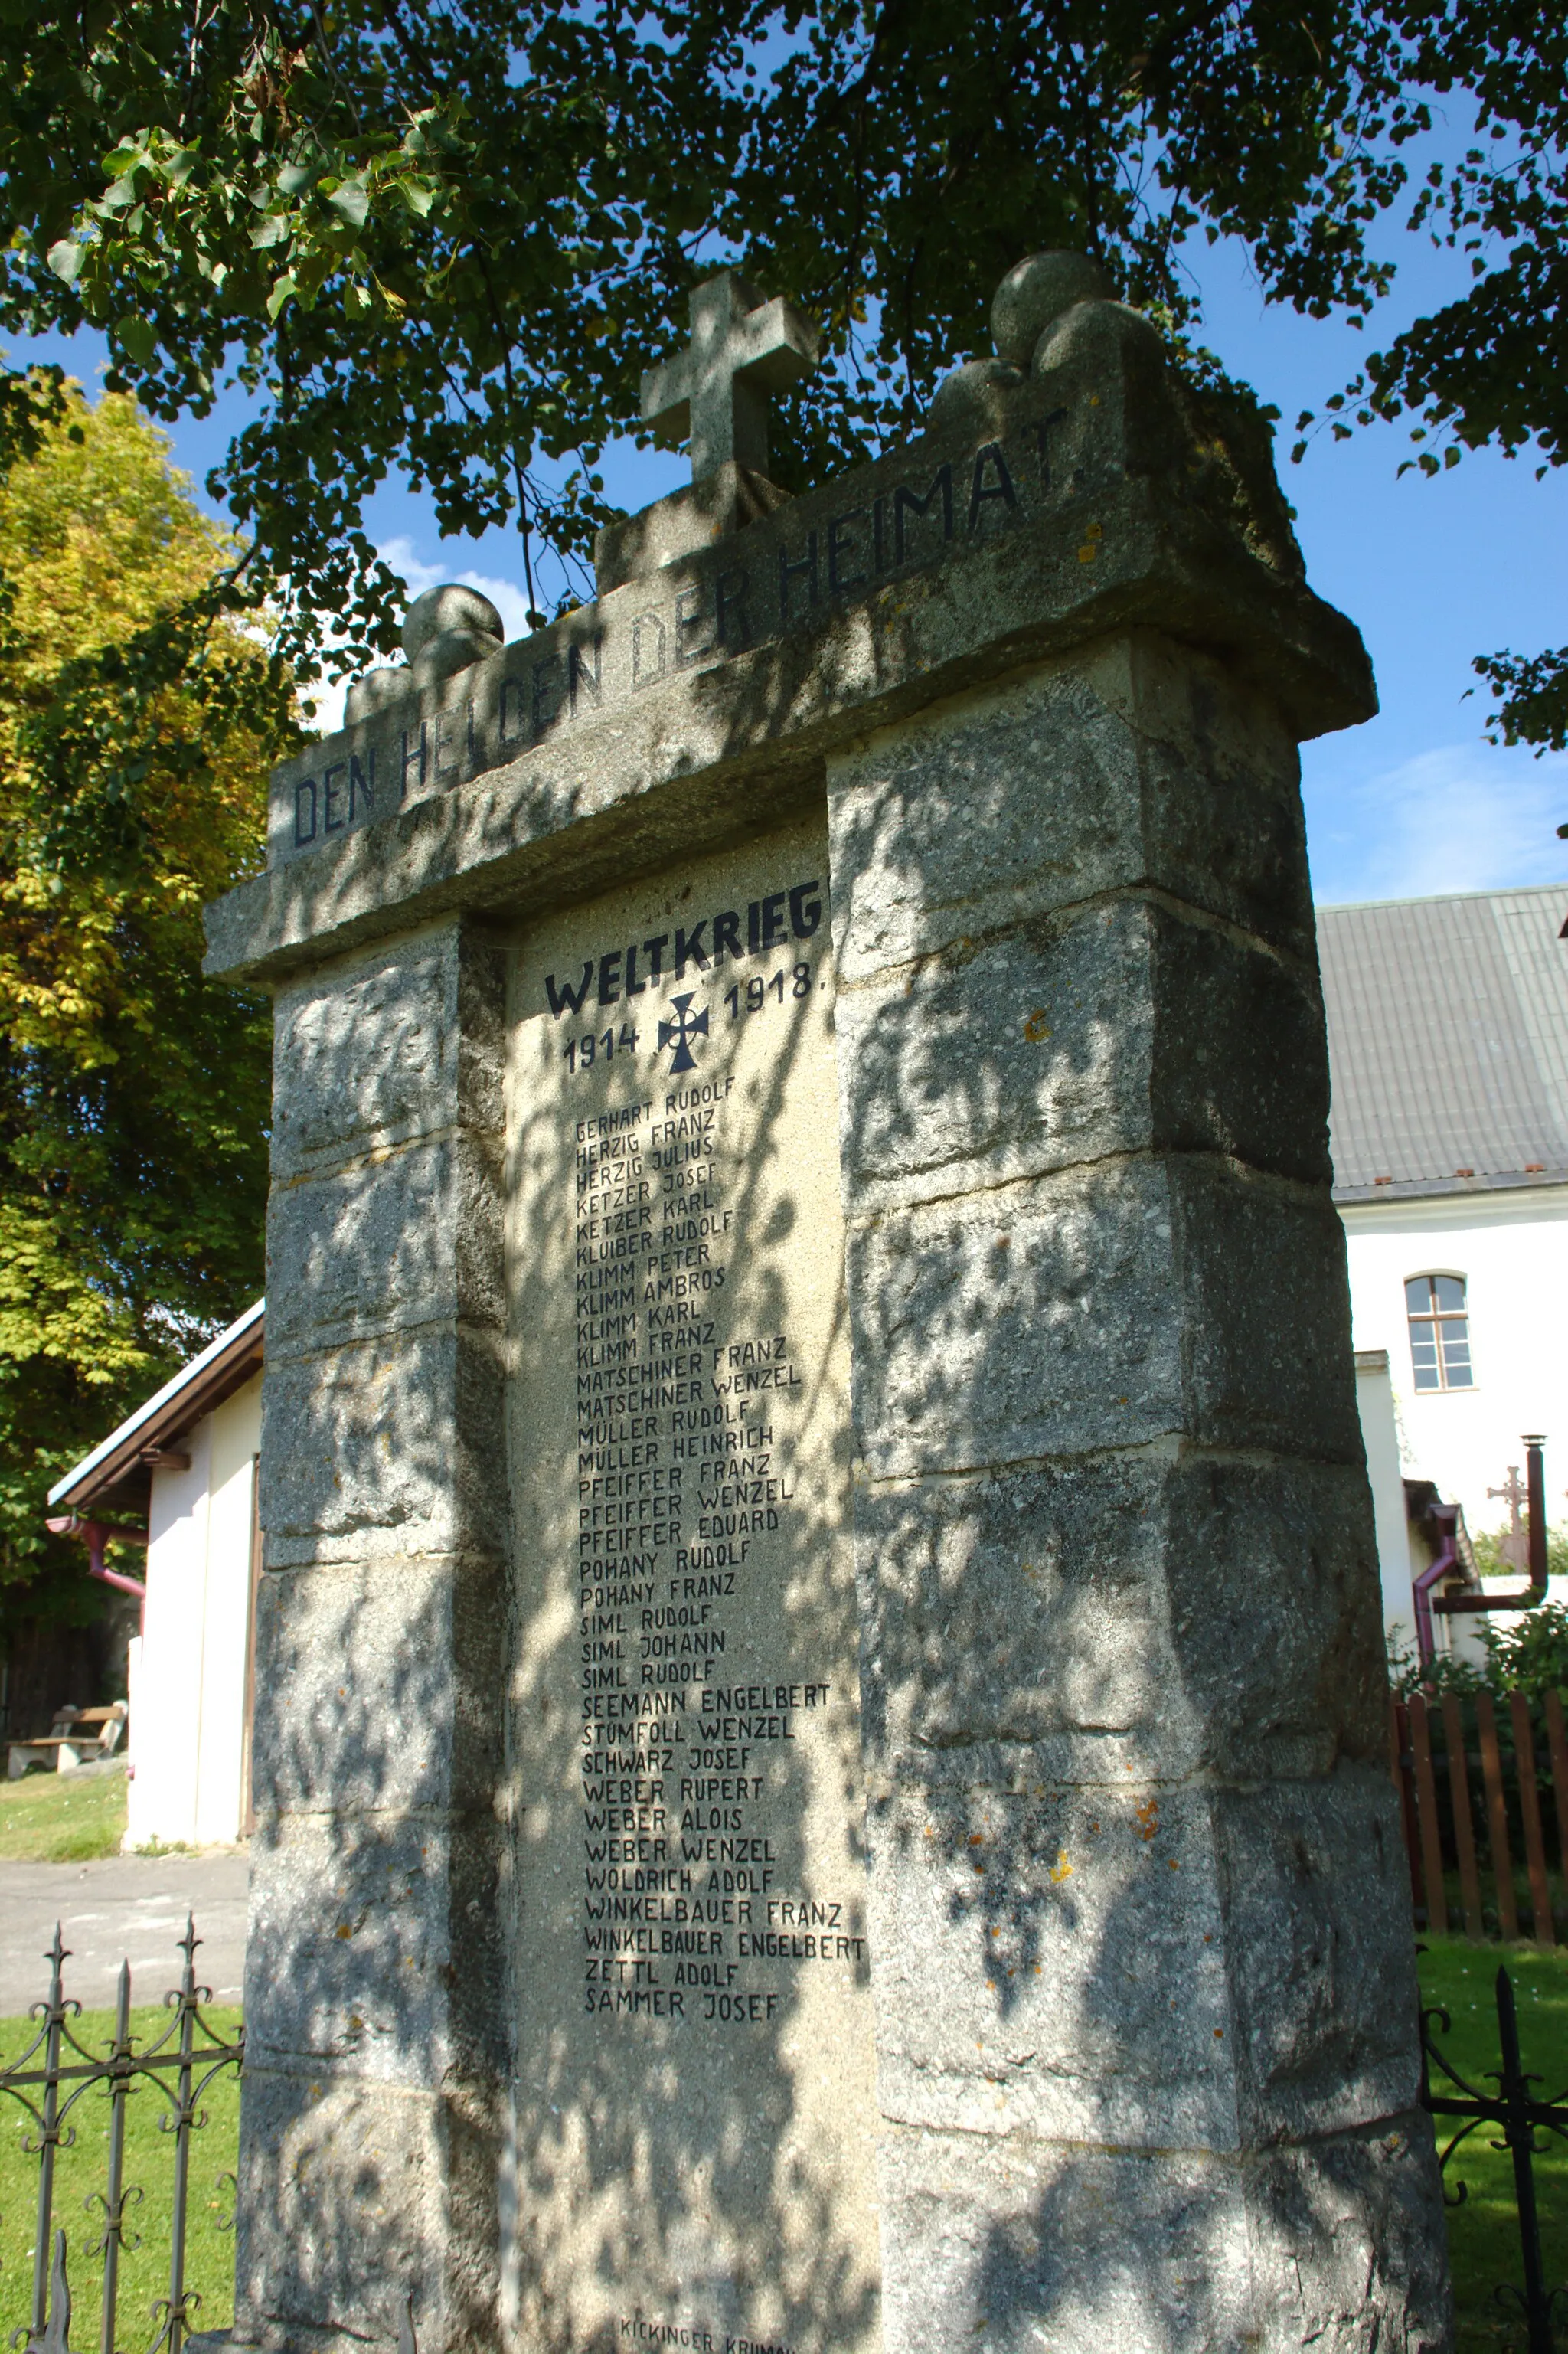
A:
(820, 1759)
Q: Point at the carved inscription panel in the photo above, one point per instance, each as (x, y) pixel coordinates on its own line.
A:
(696, 2080)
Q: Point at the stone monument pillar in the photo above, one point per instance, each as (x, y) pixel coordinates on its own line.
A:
(820, 1759)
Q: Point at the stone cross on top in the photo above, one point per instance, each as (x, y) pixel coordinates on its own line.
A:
(715, 393)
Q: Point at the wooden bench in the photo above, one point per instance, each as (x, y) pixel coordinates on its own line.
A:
(76, 1736)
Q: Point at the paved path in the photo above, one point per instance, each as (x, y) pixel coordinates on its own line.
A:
(127, 1906)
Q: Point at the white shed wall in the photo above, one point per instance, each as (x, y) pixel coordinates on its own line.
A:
(188, 1726)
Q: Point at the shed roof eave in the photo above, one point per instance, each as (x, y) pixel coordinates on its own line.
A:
(221, 1368)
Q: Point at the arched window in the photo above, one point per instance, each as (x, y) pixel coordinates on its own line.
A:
(1439, 1332)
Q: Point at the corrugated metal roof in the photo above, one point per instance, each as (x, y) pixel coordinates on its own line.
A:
(1447, 1042)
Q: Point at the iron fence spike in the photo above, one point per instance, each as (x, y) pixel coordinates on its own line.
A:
(1514, 2111)
(55, 2338)
(61, 2071)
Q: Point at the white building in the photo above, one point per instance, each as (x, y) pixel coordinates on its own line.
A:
(1448, 1050)
(185, 1463)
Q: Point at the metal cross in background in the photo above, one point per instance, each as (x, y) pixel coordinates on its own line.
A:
(1514, 1547)
(715, 393)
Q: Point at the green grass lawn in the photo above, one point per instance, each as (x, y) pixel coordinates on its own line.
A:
(1483, 2236)
(149, 2164)
(61, 1818)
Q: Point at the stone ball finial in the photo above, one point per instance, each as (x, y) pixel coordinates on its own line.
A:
(445, 630)
(1036, 291)
(440, 610)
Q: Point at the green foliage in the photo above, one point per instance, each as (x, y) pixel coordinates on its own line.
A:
(1446, 1673)
(134, 1098)
(1534, 708)
(432, 238)
(1526, 1651)
(1487, 368)
(1530, 1652)
(450, 239)
(1492, 1561)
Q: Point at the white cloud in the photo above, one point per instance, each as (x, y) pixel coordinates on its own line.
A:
(505, 595)
(1464, 817)
(327, 700)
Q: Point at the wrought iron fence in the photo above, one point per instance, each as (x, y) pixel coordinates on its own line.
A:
(50, 2080)
(1521, 2116)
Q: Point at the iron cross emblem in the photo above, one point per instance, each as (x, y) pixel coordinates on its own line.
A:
(681, 1032)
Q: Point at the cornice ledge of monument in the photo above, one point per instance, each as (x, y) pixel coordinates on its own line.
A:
(711, 755)
(992, 413)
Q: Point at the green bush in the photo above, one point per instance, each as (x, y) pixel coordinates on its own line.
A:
(1491, 1561)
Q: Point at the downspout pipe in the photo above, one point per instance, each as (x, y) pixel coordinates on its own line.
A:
(1515, 1597)
(95, 1535)
(1447, 1561)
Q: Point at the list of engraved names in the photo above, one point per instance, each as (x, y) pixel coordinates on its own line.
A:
(695, 2080)
(686, 1412)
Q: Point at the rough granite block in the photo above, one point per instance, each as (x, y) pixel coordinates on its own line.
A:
(1051, 1964)
(1118, 1028)
(375, 1049)
(1165, 1612)
(381, 1684)
(1322, 2004)
(326, 2253)
(1143, 765)
(1117, 1305)
(383, 1449)
(1086, 1964)
(1255, 1377)
(357, 1925)
(409, 1238)
(1022, 2244)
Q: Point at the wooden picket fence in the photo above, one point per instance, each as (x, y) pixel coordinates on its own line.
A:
(1483, 1790)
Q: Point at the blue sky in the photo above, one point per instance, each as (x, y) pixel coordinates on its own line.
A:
(1432, 571)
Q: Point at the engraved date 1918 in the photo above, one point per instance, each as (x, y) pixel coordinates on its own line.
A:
(755, 995)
